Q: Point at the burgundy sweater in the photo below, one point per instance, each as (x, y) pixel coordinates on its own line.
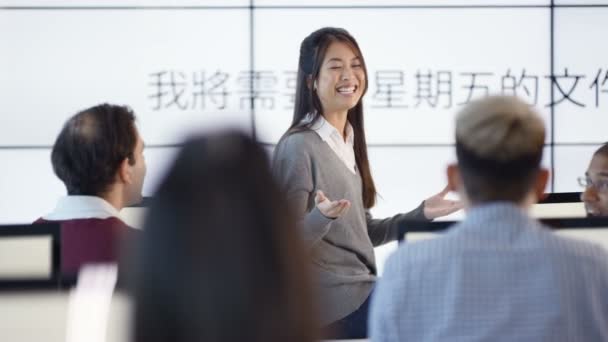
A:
(90, 240)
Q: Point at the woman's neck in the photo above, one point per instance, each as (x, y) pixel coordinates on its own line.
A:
(338, 120)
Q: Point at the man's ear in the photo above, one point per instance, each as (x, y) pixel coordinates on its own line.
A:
(124, 172)
(541, 183)
(454, 180)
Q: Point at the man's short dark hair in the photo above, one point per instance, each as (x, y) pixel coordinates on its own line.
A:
(499, 145)
(91, 146)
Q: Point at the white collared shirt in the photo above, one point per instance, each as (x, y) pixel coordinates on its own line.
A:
(81, 207)
(344, 148)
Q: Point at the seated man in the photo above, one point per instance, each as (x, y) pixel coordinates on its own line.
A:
(99, 157)
(499, 275)
(595, 183)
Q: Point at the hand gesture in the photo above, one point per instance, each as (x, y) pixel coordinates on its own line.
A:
(437, 206)
(331, 209)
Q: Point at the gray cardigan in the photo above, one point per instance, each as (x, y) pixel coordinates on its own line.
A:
(342, 249)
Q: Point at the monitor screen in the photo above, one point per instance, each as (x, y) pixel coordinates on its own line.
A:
(29, 254)
(592, 229)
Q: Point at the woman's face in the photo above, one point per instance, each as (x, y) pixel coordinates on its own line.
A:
(341, 79)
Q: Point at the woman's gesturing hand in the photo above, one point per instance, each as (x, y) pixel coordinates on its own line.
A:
(437, 205)
(331, 209)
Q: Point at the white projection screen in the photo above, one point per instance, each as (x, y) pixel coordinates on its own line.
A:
(188, 65)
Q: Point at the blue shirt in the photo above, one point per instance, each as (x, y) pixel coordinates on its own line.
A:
(497, 276)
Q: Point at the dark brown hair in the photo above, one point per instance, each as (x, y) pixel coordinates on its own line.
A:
(312, 53)
(603, 150)
(91, 146)
(220, 258)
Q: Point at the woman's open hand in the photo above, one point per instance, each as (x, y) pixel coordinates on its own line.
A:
(437, 205)
(331, 209)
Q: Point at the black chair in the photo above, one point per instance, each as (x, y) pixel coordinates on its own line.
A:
(580, 224)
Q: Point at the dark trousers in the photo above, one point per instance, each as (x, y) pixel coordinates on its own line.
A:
(352, 326)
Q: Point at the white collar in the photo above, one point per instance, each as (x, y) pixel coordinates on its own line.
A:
(344, 149)
(81, 207)
(328, 132)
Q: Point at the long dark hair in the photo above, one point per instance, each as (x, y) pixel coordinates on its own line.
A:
(220, 258)
(307, 102)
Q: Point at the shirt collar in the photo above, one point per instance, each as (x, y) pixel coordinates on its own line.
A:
(82, 207)
(496, 220)
(328, 132)
(492, 210)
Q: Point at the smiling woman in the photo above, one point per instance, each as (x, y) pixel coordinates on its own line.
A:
(341, 81)
(322, 164)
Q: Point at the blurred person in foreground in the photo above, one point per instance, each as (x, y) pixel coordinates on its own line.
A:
(220, 258)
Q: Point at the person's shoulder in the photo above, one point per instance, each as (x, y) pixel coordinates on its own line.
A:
(112, 222)
(298, 142)
(119, 228)
(410, 259)
(302, 137)
(585, 251)
(117, 222)
(416, 255)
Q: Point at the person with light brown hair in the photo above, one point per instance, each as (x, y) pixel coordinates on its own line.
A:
(322, 164)
(499, 275)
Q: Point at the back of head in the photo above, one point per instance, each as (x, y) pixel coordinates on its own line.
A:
(499, 145)
(220, 259)
(91, 146)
